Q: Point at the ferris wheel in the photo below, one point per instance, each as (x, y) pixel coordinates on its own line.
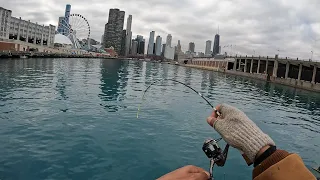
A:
(76, 28)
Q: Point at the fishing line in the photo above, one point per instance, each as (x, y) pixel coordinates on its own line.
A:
(153, 83)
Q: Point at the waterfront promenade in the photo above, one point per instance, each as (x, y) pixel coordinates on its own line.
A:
(19, 54)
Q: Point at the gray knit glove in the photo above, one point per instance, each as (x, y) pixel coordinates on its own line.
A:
(240, 132)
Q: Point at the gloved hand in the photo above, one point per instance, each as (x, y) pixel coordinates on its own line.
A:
(239, 131)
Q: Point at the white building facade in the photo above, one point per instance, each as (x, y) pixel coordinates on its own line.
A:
(18, 29)
(169, 51)
(5, 16)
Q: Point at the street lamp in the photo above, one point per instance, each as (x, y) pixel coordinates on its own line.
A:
(315, 43)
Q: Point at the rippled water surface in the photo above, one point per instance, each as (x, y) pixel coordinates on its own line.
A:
(76, 119)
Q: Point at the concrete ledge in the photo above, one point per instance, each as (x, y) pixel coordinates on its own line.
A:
(254, 75)
(307, 84)
(297, 84)
(316, 87)
(202, 67)
(293, 82)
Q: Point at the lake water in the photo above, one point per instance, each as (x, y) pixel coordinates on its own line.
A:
(76, 119)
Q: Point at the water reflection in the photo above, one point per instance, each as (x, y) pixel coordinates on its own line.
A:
(114, 78)
(88, 69)
(24, 73)
(204, 82)
(17, 74)
(187, 77)
(62, 71)
(301, 106)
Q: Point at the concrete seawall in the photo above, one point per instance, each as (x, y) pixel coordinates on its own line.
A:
(294, 73)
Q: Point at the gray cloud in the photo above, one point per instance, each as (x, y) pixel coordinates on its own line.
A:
(291, 26)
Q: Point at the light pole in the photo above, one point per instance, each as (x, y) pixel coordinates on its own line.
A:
(233, 48)
(254, 52)
(315, 43)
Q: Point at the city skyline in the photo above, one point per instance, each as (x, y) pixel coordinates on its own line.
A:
(293, 34)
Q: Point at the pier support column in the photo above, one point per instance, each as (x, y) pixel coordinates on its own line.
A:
(27, 36)
(300, 71)
(314, 74)
(235, 65)
(287, 70)
(275, 68)
(267, 64)
(18, 37)
(258, 69)
(245, 65)
(41, 43)
(251, 67)
(35, 34)
(240, 64)
(49, 37)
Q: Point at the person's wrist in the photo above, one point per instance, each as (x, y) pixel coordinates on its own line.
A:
(262, 150)
(264, 154)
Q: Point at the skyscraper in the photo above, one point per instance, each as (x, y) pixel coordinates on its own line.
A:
(123, 43)
(208, 47)
(134, 47)
(151, 43)
(163, 49)
(179, 47)
(114, 29)
(61, 25)
(192, 47)
(141, 47)
(216, 44)
(141, 43)
(129, 35)
(169, 39)
(158, 45)
(67, 12)
(169, 51)
(64, 21)
(102, 37)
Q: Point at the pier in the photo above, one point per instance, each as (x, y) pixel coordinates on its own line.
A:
(292, 72)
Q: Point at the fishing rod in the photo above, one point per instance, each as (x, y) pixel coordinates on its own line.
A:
(153, 83)
(210, 146)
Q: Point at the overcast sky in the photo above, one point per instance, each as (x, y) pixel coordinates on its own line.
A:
(260, 26)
